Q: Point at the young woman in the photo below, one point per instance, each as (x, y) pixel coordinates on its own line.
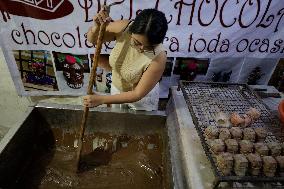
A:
(137, 60)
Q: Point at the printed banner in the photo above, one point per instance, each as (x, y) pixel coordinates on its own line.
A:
(43, 40)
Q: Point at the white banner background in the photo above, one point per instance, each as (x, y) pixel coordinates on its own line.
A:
(197, 28)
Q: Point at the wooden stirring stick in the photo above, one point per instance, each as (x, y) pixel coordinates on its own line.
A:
(90, 91)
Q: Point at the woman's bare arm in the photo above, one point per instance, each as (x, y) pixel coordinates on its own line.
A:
(147, 82)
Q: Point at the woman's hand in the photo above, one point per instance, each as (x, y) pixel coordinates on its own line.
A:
(92, 100)
(102, 16)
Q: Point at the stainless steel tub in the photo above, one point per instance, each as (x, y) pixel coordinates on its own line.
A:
(15, 158)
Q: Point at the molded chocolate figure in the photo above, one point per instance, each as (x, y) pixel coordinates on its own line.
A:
(73, 72)
(221, 77)
(226, 76)
(216, 76)
(255, 76)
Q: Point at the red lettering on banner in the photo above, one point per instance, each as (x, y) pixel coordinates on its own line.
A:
(261, 17)
(99, 6)
(280, 12)
(269, 19)
(199, 12)
(86, 6)
(157, 4)
(250, 3)
(130, 9)
(180, 5)
(221, 15)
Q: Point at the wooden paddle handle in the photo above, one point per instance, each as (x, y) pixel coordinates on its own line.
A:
(90, 90)
(93, 74)
(96, 59)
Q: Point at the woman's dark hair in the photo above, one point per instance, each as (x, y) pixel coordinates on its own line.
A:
(152, 23)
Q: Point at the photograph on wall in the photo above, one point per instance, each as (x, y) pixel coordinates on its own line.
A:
(36, 70)
(165, 81)
(257, 71)
(103, 80)
(169, 67)
(224, 69)
(277, 78)
(72, 71)
(191, 69)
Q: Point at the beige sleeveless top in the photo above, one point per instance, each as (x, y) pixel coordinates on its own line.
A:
(128, 64)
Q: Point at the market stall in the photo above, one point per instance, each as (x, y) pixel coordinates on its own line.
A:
(222, 83)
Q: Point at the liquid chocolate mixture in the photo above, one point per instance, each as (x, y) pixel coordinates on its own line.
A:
(107, 161)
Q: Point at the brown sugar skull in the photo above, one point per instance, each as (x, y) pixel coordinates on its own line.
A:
(73, 72)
